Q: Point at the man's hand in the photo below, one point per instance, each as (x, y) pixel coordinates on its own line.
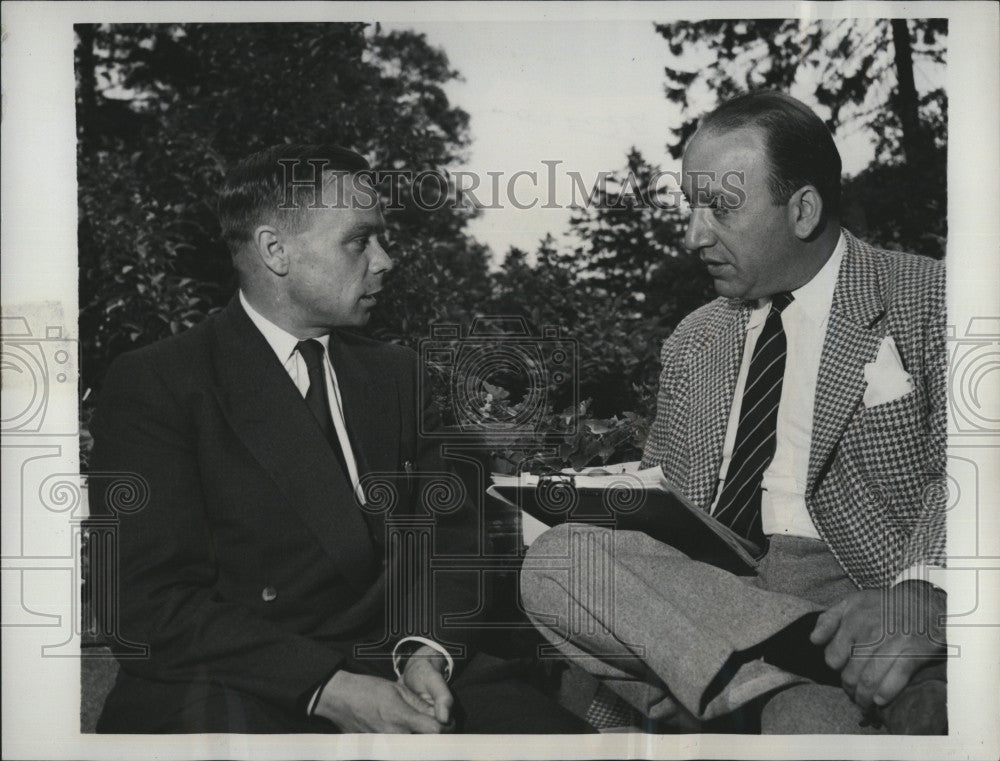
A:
(423, 676)
(359, 703)
(878, 638)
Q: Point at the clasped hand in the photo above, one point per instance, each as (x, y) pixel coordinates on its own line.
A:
(878, 638)
(420, 702)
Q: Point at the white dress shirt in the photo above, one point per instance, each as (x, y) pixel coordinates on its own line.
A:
(283, 344)
(783, 496)
(783, 490)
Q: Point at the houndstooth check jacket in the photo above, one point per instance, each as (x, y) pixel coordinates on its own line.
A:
(876, 476)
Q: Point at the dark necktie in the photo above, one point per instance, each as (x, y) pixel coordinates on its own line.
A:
(317, 399)
(739, 505)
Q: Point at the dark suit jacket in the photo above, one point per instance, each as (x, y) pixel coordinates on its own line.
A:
(251, 565)
(875, 487)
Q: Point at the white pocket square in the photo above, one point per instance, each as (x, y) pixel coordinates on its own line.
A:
(886, 378)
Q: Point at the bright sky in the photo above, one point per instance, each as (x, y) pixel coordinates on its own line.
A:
(580, 92)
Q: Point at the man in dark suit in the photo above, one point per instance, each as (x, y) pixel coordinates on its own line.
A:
(258, 571)
(804, 408)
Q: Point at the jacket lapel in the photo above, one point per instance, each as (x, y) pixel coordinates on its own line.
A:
(371, 407)
(267, 413)
(853, 337)
(371, 403)
(715, 368)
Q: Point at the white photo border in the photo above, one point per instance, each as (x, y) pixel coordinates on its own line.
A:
(41, 695)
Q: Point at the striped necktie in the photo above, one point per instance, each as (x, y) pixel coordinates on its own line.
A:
(739, 504)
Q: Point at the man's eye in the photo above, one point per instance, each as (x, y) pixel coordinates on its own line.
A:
(719, 209)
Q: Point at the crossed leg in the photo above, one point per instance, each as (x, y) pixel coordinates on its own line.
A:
(675, 636)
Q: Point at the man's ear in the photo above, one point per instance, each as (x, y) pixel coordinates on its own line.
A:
(805, 211)
(271, 249)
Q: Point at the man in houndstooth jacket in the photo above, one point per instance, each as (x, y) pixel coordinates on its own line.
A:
(840, 629)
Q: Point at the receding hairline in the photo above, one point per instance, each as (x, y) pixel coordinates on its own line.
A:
(790, 131)
(720, 130)
(760, 148)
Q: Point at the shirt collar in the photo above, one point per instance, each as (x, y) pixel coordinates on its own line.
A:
(814, 299)
(281, 341)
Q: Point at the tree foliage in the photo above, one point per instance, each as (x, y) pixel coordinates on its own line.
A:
(162, 111)
(632, 244)
(848, 69)
(620, 288)
(861, 77)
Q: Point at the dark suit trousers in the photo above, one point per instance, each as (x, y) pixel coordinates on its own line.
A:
(491, 697)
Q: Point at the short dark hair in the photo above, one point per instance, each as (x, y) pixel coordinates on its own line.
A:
(800, 148)
(254, 190)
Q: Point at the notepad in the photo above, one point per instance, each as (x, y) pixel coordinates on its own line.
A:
(641, 500)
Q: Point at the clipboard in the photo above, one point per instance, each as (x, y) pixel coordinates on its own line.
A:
(642, 500)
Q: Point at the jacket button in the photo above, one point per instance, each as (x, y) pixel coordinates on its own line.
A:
(268, 594)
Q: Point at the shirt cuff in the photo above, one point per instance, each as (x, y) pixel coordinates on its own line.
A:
(315, 699)
(919, 572)
(401, 653)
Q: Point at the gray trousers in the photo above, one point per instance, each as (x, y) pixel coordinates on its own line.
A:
(679, 638)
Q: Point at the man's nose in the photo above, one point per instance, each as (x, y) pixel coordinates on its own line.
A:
(380, 261)
(699, 233)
